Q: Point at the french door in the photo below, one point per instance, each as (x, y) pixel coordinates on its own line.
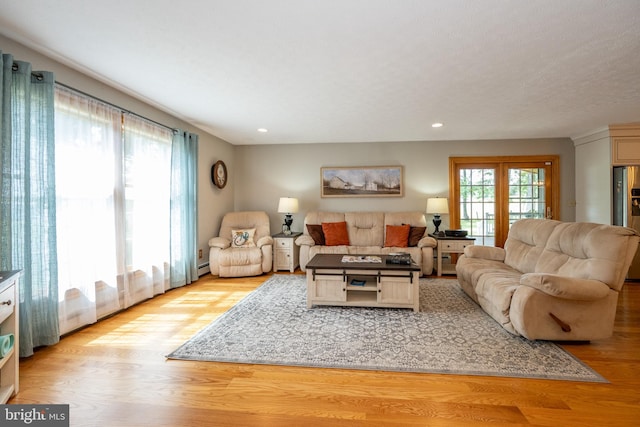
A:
(488, 194)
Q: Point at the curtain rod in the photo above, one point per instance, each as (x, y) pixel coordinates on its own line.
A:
(37, 74)
(124, 110)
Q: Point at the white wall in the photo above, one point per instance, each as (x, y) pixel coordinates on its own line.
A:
(267, 172)
(593, 177)
(212, 202)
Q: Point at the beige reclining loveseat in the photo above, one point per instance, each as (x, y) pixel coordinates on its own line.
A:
(367, 235)
(553, 280)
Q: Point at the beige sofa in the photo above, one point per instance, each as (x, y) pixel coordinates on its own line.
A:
(553, 280)
(367, 235)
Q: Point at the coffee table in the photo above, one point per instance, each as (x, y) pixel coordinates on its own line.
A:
(330, 281)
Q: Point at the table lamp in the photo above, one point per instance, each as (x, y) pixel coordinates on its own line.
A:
(287, 206)
(437, 206)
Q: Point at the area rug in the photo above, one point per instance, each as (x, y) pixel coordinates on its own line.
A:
(450, 334)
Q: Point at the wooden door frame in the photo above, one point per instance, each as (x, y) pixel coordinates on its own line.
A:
(500, 163)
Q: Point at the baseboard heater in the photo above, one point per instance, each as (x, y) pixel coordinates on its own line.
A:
(203, 269)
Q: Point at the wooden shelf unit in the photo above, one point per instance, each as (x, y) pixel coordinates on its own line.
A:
(9, 324)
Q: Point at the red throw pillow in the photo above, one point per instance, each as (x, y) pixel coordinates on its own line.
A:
(335, 233)
(397, 236)
(315, 231)
(415, 234)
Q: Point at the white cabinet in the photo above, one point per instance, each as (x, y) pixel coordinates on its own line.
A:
(9, 319)
(450, 245)
(329, 287)
(286, 255)
(395, 290)
(625, 144)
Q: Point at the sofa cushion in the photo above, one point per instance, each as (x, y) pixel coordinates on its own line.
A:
(323, 249)
(415, 234)
(587, 251)
(494, 290)
(397, 236)
(365, 228)
(315, 231)
(320, 217)
(335, 233)
(526, 241)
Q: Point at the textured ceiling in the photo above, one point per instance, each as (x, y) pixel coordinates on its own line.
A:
(354, 70)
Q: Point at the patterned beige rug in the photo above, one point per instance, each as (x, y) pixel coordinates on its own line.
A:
(450, 334)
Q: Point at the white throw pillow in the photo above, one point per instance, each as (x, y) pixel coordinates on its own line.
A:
(243, 238)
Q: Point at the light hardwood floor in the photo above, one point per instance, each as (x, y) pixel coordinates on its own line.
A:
(114, 373)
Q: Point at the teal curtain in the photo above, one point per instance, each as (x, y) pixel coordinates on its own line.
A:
(184, 208)
(28, 207)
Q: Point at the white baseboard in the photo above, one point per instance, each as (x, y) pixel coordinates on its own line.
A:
(203, 269)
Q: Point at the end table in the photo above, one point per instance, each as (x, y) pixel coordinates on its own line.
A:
(450, 245)
(286, 254)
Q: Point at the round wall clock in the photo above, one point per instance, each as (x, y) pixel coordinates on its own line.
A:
(219, 174)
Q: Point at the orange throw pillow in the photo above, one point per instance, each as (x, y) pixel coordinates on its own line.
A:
(335, 233)
(397, 236)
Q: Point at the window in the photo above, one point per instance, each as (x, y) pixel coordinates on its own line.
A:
(490, 193)
(113, 178)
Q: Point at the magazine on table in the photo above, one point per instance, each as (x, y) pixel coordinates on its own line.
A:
(361, 258)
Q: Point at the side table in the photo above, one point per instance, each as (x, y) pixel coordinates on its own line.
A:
(286, 255)
(450, 245)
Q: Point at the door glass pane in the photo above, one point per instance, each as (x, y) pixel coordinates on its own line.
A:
(478, 204)
(526, 193)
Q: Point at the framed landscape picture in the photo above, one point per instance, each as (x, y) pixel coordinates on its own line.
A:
(366, 181)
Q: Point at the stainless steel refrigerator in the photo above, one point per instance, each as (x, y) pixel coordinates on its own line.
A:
(626, 206)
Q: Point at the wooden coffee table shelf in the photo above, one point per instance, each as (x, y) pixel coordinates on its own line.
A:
(329, 282)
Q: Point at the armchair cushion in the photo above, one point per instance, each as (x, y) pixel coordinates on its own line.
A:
(219, 242)
(264, 240)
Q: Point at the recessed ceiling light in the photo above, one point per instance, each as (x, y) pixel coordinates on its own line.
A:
(436, 125)
(263, 130)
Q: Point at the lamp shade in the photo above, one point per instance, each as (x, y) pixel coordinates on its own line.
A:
(437, 205)
(288, 205)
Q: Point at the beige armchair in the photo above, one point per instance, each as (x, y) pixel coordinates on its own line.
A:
(244, 246)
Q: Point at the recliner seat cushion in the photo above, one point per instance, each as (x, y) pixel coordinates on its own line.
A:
(240, 256)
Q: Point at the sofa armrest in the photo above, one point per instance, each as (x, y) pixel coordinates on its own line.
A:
(305, 240)
(219, 242)
(485, 252)
(427, 241)
(264, 240)
(566, 287)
